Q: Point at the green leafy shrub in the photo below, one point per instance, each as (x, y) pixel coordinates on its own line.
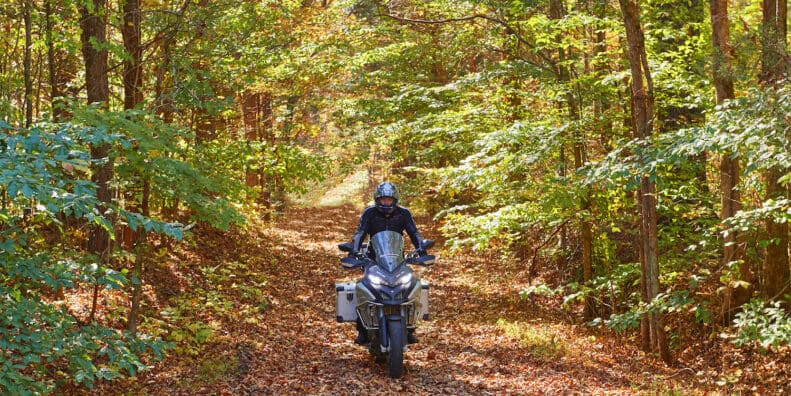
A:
(765, 324)
(541, 342)
(43, 177)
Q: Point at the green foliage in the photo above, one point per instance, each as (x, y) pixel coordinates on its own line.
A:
(42, 176)
(36, 335)
(765, 324)
(541, 342)
(508, 204)
(664, 302)
(214, 369)
(617, 288)
(145, 148)
(485, 139)
(190, 337)
(478, 120)
(541, 290)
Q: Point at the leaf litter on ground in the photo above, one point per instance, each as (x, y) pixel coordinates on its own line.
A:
(274, 328)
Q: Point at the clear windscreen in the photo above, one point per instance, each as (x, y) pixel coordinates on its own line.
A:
(389, 248)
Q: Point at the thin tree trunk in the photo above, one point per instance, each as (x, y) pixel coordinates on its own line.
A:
(251, 105)
(132, 79)
(140, 262)
(94, 25)
(733, 243)
(203, 122)
(28, 62)
(267, 134)
(599, 107)
(53, 86)
(162, 103)
(563, 241)
(776, 272)
(39, 85)
(558, 11)
(642, 103)
(133, 96)
(133, 65)
(61, 70)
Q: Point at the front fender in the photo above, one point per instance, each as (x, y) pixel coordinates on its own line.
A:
(383, 321)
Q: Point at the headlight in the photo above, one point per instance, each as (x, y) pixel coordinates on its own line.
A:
(376, 280)
(404, 279)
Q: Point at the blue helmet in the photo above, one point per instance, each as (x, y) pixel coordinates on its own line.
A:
(386, 189)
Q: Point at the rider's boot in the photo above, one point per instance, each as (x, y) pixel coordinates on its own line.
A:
(411, 338)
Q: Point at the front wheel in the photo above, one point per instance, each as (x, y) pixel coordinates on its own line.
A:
(395, 356)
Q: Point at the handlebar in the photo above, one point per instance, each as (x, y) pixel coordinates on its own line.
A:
(351, 262)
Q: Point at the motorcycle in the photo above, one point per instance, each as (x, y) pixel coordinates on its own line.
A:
(389, 299)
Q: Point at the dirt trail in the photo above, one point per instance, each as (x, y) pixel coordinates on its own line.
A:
(481, 339)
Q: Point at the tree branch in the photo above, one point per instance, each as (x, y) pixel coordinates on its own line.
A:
(509, 29)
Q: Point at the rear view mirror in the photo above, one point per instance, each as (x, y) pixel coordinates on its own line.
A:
(346, 247)
(427, 244)
(351, 263)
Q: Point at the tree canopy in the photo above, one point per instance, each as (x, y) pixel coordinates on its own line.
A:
(631, 157)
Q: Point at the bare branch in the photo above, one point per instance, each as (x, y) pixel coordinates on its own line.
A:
(509, 29)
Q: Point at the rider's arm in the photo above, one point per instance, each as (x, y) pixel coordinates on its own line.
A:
(362, 230)
(411, 229)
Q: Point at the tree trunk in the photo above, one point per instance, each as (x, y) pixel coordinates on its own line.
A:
(133, 64)
(267, 134)
(600, 105)
(561, 263)
(251, 105)
(133, 96)
(28, 63)
(61, 66)
(94, 26)
(776, 268)
(52, 68)
(773, 69)
(558, 11)
(96, 82)
(140, 261)
(163, 105)
(203, 123)
(642, 104)
(733, 243)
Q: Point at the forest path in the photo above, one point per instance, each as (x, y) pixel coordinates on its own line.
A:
(482, 339)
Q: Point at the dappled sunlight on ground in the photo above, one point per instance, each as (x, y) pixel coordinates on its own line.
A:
(335, 192)
(271, 308)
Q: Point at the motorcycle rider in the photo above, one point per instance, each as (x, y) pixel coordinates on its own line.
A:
(384, 215)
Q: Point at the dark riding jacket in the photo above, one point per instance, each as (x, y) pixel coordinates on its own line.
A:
(373, 221)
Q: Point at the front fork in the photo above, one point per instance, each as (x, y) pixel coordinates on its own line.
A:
(385, 340)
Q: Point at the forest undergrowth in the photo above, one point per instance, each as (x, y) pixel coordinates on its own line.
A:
(253, 312)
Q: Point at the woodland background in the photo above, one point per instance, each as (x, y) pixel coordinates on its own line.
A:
(630, 159)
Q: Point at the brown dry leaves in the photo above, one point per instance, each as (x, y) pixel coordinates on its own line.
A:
(481, 340)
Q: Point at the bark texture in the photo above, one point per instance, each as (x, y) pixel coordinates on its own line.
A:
(776, 270)
(730, 199)
(642, 104)
(94, 27)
